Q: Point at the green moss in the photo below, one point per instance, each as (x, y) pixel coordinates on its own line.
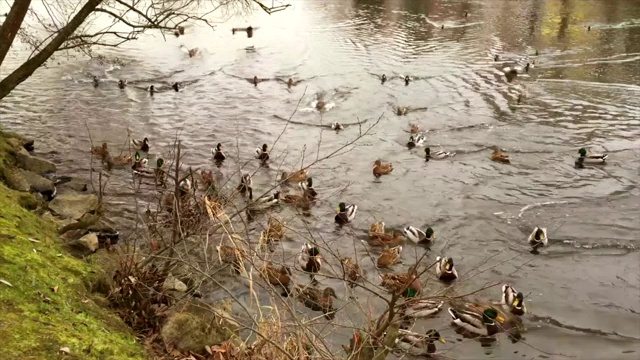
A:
(35, 321)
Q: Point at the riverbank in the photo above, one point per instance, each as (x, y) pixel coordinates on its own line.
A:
(47, 309)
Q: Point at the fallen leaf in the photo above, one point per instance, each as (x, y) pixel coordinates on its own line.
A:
(5, 282)
(47, 300)
(34, 250)
(34, 240)
(65, 350)
(85, 301)
(54, 289)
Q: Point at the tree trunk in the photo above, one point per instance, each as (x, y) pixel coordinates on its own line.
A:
(30, 66)
(11, 25)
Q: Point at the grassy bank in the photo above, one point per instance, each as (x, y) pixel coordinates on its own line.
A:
(45, 304)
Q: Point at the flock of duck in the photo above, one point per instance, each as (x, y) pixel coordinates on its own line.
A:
(483, 319)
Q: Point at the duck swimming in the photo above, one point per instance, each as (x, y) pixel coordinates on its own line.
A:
(406, 80)
(418, 236)
(438, 154)
(310, 260)
(152, 90)
(245, 183)
(318, 300)
(415, 140)
(101, 151)
(384, 78)
(513, 300)
(499, 156)
(191, 52)
(217, 153)
(262, 154)
(380, 168)
(176, 87)
(122, 84)
(277, 277)
(418, 344)
(409, 283)
(590, 158)
(96, 81)
(445, 270)
(538, 238)
(346, 214)
(481, 323)
(307, 188)
(291, 83)
(264, 201)
(389, 256)
(142, 145)
(352, 271)
(336, 126)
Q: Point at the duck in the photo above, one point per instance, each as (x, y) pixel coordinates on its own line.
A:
(262, 154)
(352, 271)
(277, 277)
(417, 344)
(185, 186)
(264, 202)
(291, 83)
(120, 161)
(101, 151)
(381, 168)
(245, 183)
(393, 238)
(499, 156)
(307, 188)
(590, 158)
(511, 72)
(418, 236)
(389, 256)
(321, 104)
(445, 270)
(346, 213)
(318, 300)
(122, 83)
(191, 52)
(300, 201)
(96, 81)
(208, 181)
(176, 87)
(414, 128)
(295, 176)
(420, 308)
(513, 300)
(232, 255)
(408, 283)
(383, 79)
(275, 228)
(180, 30)
(538, 238)
(406, 80)
(142, 145)
(475, 321)
(152, 90)
(310, 260)
(337, 126)
(415, 140)
(438, 154)
(139, 166)
(376, 228)
(496, 58)
(218, 155)
(402, 110)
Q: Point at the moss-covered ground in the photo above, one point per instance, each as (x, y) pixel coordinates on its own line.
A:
(45, 304)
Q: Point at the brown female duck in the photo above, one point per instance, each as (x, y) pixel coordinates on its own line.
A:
(317, 300)
(409, 282)
(295, 176)
(500, 156)
(389, 256)
(381, 168)
(277, 277)
(352, 271)
(394, 238)
(231, 255)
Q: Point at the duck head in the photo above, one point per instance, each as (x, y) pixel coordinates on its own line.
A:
(152, 89)
(255, 80)
(309, 182)
(219, 147)
(412, 142)
(430, 234)
(406, 80)
(434, 335)
(489, 316)
(517, 302)
(384, 78)
(264, 147)
(442, 27)
(427, 153)
(448, 264)
(582, 152)
(539, 235)
(290, 82)
(496, 57)
(342, 207)
(176, 87)
(122, 84)
(377, 163)
(329, 292)
(159, 163)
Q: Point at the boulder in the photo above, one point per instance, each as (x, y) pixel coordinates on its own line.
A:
(35, 164)
(15, 180)
(171, 283)
(74, 206)
(37, 183)
(86, 245)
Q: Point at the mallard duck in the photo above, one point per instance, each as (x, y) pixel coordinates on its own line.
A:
(376, 228)
(415, 140)
(590, 158)
(393, 238)
(320, 104)
(264, 202)
(121, 161)
(300, 201)
(538, 238)
(231, 255)
(101, 151)
(380, 168)
(142, 145)
(185, 186)
(310, 260)
(277, 277)
(122, 84)
(418, 236)
(294, 177)
(307, 188)
(475, 321)
(418, 344)
(513, 300)
(317, 300)
(139, 166)
(409, 283)
(275, 228)
(176, 87)
(96, 81)
(383, 79)
(291, 83)
(152, 90)
(414, 128)
(496, 58)
(406, 80)
(218, 155)
(445, 270)
(402, 110)
(438, 154)
(337, 126)
(345, 213)
(262, 154)
(499, 156)
(245, 183)
(191, 52)
(208, 181)
(352, 271)
(389, 256)
(419, 308)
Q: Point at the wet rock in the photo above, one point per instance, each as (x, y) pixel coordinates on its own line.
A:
(86, 245)
(39, 184)
(172, 283)
(15, 181)
(64, 183)
(18, 141)
(35, 164)
(73, 205)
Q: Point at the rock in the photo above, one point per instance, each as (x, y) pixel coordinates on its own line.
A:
(38, 183)
(86, 245)
(65, 182)
(74, 206)
(15, 180)
(171, 283)
(32, 163)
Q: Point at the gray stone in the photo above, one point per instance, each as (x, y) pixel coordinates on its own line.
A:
(16, 181)
(171, 283)
(36, 182)
(73, 206)
(86, 245)
(35, 164)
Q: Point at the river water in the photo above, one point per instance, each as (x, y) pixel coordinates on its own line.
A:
(583, 290)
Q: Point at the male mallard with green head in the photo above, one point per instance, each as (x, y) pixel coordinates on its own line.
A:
(218, 155)
(415, 140)
(310, 260)
(590, 158)
(307, 188)
(262, 154)
(438, 154)
(142, 145)
(346, 214)
(418, 344)
(418, 236)
(480, 323)
(513, 300)
(445, 270)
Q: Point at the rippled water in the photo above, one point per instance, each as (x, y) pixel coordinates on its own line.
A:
(583, 290)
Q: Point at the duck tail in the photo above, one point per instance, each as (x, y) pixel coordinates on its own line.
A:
(604, 157)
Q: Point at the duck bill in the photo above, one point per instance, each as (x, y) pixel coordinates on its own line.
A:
(442, 340)
(516, 303)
